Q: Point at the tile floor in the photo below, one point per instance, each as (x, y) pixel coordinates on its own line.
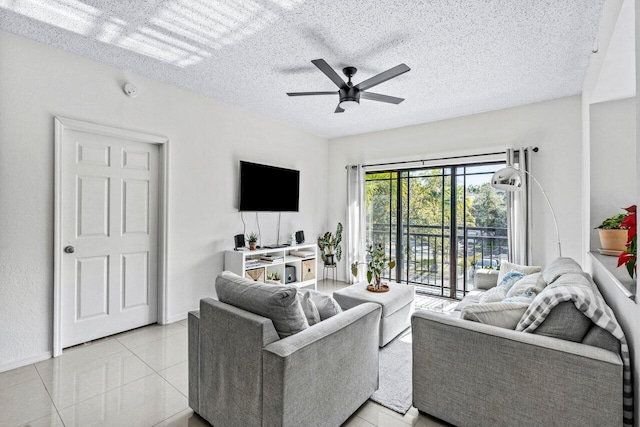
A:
(136, 378)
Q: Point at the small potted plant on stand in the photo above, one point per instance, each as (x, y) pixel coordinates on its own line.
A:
(613, 234)
(253, 241)
(329, 245)
(377, 261)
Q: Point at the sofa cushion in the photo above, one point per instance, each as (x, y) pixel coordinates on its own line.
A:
(309, 307)
(565, 322)
(326, 305)
(598, 337)
(500, 314)
(470, 298)
(529, 283)
(496, 294)
(506, 267)
(559, 267)
(276, 302)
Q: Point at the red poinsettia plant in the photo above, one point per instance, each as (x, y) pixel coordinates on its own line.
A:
(629, 256)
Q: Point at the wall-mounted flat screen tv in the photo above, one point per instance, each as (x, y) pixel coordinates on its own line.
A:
(266, 188)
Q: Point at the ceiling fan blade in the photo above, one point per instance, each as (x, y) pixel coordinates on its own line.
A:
(381, 98)
(383, 77)
(338, 109)
(329, 72)
(310, 93)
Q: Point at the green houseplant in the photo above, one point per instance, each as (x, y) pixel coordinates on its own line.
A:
(253, 240)
(329, 245)
(377, 261)
(613, 233)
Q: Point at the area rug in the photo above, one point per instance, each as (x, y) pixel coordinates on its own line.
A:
(394, 390)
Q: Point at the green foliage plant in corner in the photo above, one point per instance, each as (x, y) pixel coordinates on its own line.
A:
(329, 246)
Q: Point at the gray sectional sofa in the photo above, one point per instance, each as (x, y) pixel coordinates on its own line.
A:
(474, 374)
(243, 372)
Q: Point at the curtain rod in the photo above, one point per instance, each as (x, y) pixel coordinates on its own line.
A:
(535, 150)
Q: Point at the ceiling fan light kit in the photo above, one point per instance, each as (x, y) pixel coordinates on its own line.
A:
(348, 94)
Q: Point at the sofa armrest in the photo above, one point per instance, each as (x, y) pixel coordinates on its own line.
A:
(468, 373)
(320, 376)
(485, 278)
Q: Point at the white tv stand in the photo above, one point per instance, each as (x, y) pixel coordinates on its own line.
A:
(305, 268)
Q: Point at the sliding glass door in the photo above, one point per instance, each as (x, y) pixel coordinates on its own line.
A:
(439, 224)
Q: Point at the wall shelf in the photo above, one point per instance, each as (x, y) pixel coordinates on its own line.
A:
(617, 276)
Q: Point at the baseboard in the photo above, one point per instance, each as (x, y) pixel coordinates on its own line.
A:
(24, 362)
(177, 317)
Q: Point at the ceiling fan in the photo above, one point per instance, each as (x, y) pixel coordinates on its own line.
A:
(349, 94)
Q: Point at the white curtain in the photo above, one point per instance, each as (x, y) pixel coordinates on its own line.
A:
(519, 217)
(355, 229)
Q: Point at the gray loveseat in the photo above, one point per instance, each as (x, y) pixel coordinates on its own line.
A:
(474, 374)
(241, 373)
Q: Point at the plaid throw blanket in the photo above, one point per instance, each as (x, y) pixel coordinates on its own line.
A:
(585, 296)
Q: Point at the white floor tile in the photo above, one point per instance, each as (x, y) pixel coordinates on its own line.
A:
(184, 323)
(178, 376)
(52, 420)
(148, 334)
(80, 355)
(18, 376)
(356, 421)
(72, 384)
(378, 415)
(165, 352)
(24, 402)
(186, 418)
(144, 402)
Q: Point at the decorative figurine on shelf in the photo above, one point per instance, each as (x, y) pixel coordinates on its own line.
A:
(292, 239)
(377, 261)
(253, 241)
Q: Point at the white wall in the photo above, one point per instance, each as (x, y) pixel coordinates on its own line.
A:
(207, 140)
(613, 160)
(553, 126)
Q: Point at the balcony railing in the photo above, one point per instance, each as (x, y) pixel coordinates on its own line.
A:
(426, 254)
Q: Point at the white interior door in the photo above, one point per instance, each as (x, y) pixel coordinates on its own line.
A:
(109, 232)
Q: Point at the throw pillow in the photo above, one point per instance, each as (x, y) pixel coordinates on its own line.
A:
(500, 314)
(327, 306)
(276, 302)
(506, 267)
(525, 297)
(598, 337)
(495, 294)
(559, 267)
(565, 322)
(530, 283)
(309, 308)
(509, 280)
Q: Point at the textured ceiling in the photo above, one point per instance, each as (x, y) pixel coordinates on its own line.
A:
(465, 56)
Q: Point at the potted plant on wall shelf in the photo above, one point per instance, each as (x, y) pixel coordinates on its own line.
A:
(377, 261)
(329, 245)
(253, 241)
(629, 256)
(613, 234)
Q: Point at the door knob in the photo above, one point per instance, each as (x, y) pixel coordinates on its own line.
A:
(69, 249)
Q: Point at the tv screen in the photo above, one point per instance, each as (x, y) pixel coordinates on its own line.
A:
(266, 188)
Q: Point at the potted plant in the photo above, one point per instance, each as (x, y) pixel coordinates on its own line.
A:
(273, 278)
(329, 245)
(630, 254)
(253, 241)
(613, 234)
(377, 261)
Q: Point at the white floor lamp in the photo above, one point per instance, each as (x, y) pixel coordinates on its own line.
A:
(511, 179)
